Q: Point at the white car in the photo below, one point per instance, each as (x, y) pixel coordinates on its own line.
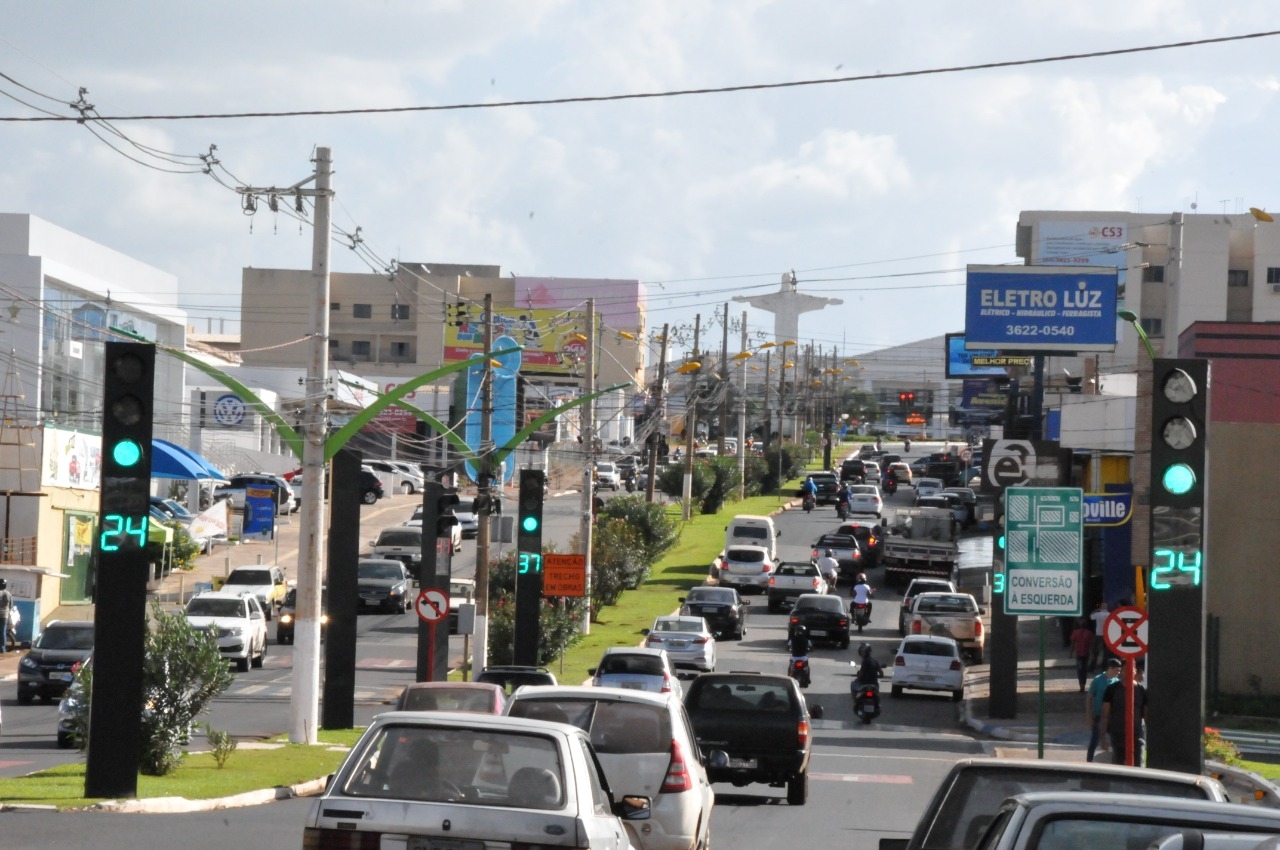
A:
(928, 487)
(744, 566)
(398, 480)
(399, 550)
(636, 668)
(607, 475)
(928, 663)
(266, 582)
(865, 499)
(236, 621)
(468, 523)
(463, 781)
(872, 470)
(687, 641)
(646, 747)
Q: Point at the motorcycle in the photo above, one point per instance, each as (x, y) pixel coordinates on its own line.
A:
(861, 615)
(906, 445)
(809, 502)
(891, 486)
(798, 669)
(866, 702)
(842, 510)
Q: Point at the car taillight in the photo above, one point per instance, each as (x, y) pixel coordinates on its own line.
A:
(340, 839)
(871, 541)
(815, 583)
(654, 639)
(915, 627)
(844, 621)
(677, 778)
(772, 580)
(766, 567)
(802, 732)
(815, 554)
(955, 664)
(977, 628)
(666, 683)
(700, 640)
(899, 661)
(794, 619)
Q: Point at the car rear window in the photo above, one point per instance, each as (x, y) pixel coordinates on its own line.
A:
(703, 595)
(616, 728)
(928, 647)
(637, 665)
(448, 699)
(746, 556)
(249, 577)
(821, 603)
(397, 537)
(742, 696)
(750, 532)
(947, 605)
(380, 570)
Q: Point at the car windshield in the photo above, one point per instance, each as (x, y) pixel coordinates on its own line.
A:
(946, 605)
(505, 769)
(746, 556)
(750, 532)
(464, 506)
(66, 637)
(400, 537)
(863, 489)
(741, 696)
(447, 699)
(209, 607)
(250, 577)
(381, 570)
(616, 728)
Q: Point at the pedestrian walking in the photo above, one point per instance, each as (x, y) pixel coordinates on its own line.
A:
(1098, 655)
(1113, 713)
(1093, 705)
(1081, 647)
(6, 610)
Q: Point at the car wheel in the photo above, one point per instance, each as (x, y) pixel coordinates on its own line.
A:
(25, 697)
(844, 644)
(283, 639)
(369, 497)
(957, 695)
(65, 741)
(258, 660)
(242, 664)
(406, 488)
(798, 789)
(774, 606)
(741, 633)
(266, 611)
(896, 690)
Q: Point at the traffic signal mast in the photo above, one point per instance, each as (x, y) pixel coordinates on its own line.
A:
(528, 566)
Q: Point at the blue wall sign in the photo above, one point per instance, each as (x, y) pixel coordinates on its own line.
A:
(503, 422)
(1040, 308)
(1107, 509)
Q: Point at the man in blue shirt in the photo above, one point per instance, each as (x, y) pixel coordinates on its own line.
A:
(1093, 703)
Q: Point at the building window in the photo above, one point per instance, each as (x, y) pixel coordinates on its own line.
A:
(334, 345)
(334, 307)
(1273, 274)
(1153, 327)
(362, 311)
(1153, 274)
(360, 348)
(400, 350)
(399, 311)
(1238, 277)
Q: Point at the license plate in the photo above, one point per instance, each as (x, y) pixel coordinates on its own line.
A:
(742, 764)
(635, 686)
(818, 632)
(925, 677)
(370, 597)
(868, 708)
(61, 677)
(419, 843)
(679, 644)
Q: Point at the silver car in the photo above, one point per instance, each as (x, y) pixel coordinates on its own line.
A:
(647, 748)
(636, 668)
(687, 641)
(454, 780)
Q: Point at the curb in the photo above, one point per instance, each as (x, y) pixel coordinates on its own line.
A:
(179, 805)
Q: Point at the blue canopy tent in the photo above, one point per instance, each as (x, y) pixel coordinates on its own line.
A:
(169, 460)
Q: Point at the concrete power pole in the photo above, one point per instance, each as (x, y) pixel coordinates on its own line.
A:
(724, 384)
(304, 699)
(589, 471)
(484, 469)
(690, 422)
(742, 416)
(659, 419)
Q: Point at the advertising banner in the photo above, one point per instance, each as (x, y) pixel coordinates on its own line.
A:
(554, 340)
(259, 513)
(503, 418)
(1034, 308)
(965, 363)
(70, 459)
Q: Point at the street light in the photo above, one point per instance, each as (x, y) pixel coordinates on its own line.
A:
(1132, 318)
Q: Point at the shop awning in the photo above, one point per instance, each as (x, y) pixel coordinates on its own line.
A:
(169, 460)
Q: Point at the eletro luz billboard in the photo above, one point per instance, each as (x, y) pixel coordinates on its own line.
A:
(1040, 308)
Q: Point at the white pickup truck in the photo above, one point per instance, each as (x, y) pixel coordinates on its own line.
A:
(953, 615)
(791, 580)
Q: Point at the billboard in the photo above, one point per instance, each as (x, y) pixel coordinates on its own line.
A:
(1082, 243)
(965, 363)
(553, 340)
(1040, 308)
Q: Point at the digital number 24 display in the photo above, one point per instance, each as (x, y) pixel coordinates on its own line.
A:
(117, 529)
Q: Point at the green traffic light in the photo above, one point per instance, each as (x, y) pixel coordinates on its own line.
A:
(126, 453)
(1178, 479)
(1000, 542)
(529, 524)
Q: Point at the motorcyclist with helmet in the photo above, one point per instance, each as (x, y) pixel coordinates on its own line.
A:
(830, 569)
(866, 685)
(798, 645)
(862, 592)
(869, 670)
(809, 493)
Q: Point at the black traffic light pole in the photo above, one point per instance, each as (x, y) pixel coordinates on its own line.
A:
(120, 571)
(528, 567)
(1178, 566)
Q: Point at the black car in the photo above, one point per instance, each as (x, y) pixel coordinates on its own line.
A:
(289, 610)
(384, 583)
(722, 608)
(370, 486)
(828, 487)
(47, 670)
(853, 470)
(824, 615)
(511, 676)
(870, 536)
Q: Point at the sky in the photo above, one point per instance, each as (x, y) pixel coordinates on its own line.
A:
(875, 191)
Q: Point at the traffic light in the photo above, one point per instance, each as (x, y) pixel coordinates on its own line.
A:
(445, 520)
(528, 566)
(906, 400)
(127, 398)
(1179, 440)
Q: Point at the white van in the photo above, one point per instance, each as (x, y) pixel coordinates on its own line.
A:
(747, 530)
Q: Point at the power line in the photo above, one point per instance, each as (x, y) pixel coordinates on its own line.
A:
(504, 104)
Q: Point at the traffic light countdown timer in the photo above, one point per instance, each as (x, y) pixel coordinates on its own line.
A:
(128, 389)
(1179, 443)
(528, 566)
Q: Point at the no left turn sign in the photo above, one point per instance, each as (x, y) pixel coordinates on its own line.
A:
(1125, 632)
(432, 604)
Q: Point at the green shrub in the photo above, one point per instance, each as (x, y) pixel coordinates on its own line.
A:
(1219, 748)
(724, 480)
(671, 480)
(558, 628)
(658, 529)
(221, 744)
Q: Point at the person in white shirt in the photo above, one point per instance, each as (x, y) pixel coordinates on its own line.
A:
(830, 569)
(862, 592)
(1097, 656)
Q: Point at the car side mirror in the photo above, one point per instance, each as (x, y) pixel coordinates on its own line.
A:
(744, 601)
(634, 807)
(591, 671)
(718, 760)
(644, 632)
(679, 598)
(982, 610)
(255, 615)
(816, 712)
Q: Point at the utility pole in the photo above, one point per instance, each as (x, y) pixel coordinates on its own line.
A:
(690, 423)
(724, 384)
(589, 468)
(485, 470)
(659, 417)
(304, 698)
(742, 416)
(768, 414)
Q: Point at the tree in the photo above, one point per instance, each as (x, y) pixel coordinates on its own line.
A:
(182, 672)
(724, 480)
(659, 530)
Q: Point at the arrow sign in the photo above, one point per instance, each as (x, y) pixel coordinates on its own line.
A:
(432, 604)
(1125, 632)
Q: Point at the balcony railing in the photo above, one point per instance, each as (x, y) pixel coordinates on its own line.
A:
(18, 550)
